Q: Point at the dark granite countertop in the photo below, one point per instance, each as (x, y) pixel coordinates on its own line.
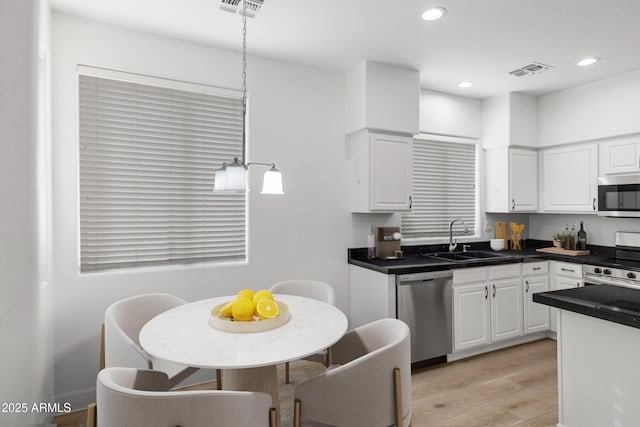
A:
(414, 260)
(608, 302)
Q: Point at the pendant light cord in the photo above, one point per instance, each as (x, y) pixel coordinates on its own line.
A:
(244, 80)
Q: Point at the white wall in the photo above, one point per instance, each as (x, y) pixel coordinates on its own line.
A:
(600, 230)
(602, 109)
(297, 121)
(26, 318)
(450, 115)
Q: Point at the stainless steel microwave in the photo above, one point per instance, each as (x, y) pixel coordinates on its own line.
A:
(619, 196)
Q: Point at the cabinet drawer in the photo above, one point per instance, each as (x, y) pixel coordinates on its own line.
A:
(469, 275)
(529, 268)
(568, 269)
(505, 271)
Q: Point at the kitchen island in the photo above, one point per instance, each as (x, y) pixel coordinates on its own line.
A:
(598, 353)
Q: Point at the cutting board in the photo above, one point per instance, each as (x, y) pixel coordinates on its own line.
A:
(561, 251)
(501, 232)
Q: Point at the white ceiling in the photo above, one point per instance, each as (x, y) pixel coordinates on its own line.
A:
(478, 40)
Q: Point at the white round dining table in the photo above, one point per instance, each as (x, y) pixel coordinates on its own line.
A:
(184, 335)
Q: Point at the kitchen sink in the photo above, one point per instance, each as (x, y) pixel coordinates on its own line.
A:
(464, 256)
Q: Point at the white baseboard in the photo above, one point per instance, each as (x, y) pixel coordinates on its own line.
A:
(496, 346)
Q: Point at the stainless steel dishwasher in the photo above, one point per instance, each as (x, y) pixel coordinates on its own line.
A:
(424, 303)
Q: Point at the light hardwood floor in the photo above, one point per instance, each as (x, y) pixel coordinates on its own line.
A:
(516, 386)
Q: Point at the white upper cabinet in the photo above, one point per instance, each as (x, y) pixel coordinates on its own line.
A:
(511, 180)
(570, 178)
(381, 172)
(619, 156)
(383, 97)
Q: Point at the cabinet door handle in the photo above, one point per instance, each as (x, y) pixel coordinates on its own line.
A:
(594, 203)
(526, 288)
(410, 202)
(568, 269)
(537, 268)
(486, 293)
(513, 204)
(494, 290)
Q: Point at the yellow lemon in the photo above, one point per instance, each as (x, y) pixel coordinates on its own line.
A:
(262, 294)
(267, 309)
(247, 293)
(242, 310)
(226, 310)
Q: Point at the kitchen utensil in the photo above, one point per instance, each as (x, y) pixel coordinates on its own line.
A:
(516, 230)
(501, 232)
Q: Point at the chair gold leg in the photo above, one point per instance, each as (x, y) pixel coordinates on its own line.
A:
(397, 386)
(329, 358)
(92, 410)
(273, 420)
(286, 372)
(296, 412)
(102, 363)
(218, 379)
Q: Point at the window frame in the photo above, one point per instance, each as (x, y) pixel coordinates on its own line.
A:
(198, 88)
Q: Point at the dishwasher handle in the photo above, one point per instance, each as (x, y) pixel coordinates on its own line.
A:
(408, 279)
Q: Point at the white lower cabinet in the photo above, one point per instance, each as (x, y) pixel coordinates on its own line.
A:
(487, 305)
(506, 309)
(471, 316)
(566, 275)
(535, 278)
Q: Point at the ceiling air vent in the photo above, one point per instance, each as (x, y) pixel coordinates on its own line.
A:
(235, 6)
(531, 69)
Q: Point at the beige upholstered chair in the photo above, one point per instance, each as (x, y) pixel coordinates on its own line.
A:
(311, 289)
(129, 397)
(122, 323)
(371, 386)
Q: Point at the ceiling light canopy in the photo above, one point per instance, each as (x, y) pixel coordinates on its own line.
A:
(434, 13)
(588, 61)
(465, 84)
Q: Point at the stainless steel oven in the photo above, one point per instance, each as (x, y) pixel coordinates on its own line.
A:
(619, 196)
(627, 264)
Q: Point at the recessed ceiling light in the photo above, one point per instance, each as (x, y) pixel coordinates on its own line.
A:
(465, 84)
(587, 61)
(434, 13)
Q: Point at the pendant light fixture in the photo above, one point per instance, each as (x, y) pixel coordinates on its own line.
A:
(232, 177)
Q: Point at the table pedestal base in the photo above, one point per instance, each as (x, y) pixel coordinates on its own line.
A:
(263, 379)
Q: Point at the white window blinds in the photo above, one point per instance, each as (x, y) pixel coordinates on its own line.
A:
(444, 187)
(147, 159)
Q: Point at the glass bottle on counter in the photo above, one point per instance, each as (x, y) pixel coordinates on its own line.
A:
(371, 242)
(582, 238)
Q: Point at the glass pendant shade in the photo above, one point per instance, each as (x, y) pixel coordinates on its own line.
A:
(220, 180)
(236, 177)
(272, 182)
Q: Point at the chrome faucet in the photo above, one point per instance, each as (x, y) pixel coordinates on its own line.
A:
(452, 243)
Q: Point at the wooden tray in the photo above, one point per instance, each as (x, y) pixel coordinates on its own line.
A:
(224, 324)
(561, 251)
